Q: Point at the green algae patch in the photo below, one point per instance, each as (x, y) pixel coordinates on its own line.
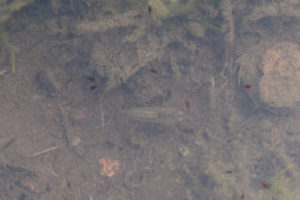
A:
(6, 10)
(163, 9)
(281, 186)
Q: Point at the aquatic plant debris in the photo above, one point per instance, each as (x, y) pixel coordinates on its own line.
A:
(12, 54)
(280, 187)
(162, 115)
(183, 151)
(7, 8)
(109, 166)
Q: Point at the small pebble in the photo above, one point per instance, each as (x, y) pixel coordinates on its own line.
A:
(75, 141)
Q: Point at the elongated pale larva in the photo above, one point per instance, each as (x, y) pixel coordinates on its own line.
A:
(156, 114)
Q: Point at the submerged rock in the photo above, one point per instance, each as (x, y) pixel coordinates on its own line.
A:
(273, 72)
(280, 84)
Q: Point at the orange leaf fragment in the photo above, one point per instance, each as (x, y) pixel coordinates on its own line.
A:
(109, 167)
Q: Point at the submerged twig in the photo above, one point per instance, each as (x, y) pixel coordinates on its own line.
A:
(44, 151)
(12, 54)
(3, 72)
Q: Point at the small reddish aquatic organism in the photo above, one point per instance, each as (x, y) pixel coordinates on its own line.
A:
(229, 172)
(149, 9)
(93, 87)
(247, 86)
(187, 104)
(153, 71)
(242, 195)
(69, 103)
(90, 78)
(68, 82)
(265, 185)
(138, 16)
(68, 184)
